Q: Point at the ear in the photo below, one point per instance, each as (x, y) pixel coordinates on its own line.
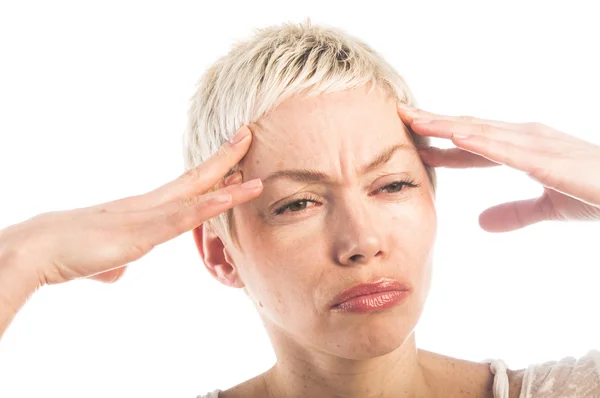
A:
(216, 257)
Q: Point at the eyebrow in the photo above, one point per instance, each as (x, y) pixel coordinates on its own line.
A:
(307, 175)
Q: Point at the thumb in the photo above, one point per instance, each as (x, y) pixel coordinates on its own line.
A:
(513, 215)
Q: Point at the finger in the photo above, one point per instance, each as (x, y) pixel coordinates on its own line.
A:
(514, 215)
(545, 168)
(411, 116)
(132, 203)
(173, 219)
(195, 181)
(446, 129)
(408, 115)
(453, 158)
(505, 153)
(109, 276)
(202, 178)
(233, 179)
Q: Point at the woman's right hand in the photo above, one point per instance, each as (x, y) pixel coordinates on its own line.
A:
(98, 241)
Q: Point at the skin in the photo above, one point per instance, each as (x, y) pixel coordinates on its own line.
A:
(354, 231)
(564, 165)
(98, 242)
(355, 227)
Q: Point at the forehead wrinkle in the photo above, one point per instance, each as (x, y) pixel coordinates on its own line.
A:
(384, 157)
(309, 176)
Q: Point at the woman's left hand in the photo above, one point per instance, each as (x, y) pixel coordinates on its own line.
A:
(567, 167)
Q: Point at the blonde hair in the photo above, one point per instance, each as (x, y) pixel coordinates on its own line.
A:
(277, 63)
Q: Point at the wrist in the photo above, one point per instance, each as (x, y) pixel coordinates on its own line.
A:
(16, 284)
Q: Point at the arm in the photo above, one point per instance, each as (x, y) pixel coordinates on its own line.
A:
(7, 314)
(97, 242)
(15, 289)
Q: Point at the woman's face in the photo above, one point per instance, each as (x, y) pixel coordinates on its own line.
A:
(326, 221)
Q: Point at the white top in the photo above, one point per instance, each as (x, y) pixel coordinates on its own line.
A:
(569, 377)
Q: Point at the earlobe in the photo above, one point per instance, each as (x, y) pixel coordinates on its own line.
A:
(215, 256)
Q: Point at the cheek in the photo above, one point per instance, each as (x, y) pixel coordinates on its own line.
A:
(276, 265)
(414, 223)
(413, 233)
(424, 241)
(284, 264)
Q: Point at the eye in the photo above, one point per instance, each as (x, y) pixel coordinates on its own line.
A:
(309, 201)
(297, 206)
(397, 186)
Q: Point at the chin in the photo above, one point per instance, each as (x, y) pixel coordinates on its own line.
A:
(372, 338)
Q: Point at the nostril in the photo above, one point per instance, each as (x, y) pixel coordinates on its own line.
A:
(355, 257)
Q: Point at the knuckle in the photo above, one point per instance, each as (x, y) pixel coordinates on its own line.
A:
(190, 201)
(191, 174)
(535, 127)
(466, 119)
(485, 129)
(223, 151)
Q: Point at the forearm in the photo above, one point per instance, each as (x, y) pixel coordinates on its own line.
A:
(15, 289)
(7, 314)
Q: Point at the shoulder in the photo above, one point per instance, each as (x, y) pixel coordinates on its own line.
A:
(254, 387)
(569, 376)
(454, 377)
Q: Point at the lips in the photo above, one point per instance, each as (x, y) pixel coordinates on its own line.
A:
(382, 285)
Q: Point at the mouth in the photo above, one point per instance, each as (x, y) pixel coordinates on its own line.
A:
(367, 297)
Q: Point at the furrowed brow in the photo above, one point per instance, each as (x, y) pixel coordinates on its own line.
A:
(384, 157)
(310, 176)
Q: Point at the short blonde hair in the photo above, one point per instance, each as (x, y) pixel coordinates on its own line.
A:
(277, 63)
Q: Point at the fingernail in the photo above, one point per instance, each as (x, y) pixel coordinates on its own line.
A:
(406, 107)
(233, 179)
(421, 121)
(242, 133)
(252, 184)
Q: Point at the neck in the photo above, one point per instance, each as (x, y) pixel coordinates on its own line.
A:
(302, 372)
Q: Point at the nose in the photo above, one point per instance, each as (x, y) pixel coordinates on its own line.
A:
(358, 240)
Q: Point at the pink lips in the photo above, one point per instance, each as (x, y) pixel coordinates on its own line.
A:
(366, 297)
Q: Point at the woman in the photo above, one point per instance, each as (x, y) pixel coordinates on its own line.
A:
(332, 231)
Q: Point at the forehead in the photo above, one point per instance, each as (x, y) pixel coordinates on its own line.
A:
(319, 130)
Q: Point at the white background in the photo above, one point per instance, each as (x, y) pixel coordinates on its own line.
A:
(93, 102)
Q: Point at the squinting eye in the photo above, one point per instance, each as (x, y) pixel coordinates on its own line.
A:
(297, 206)
(397, 186)
(394, 187)
(301, 205)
